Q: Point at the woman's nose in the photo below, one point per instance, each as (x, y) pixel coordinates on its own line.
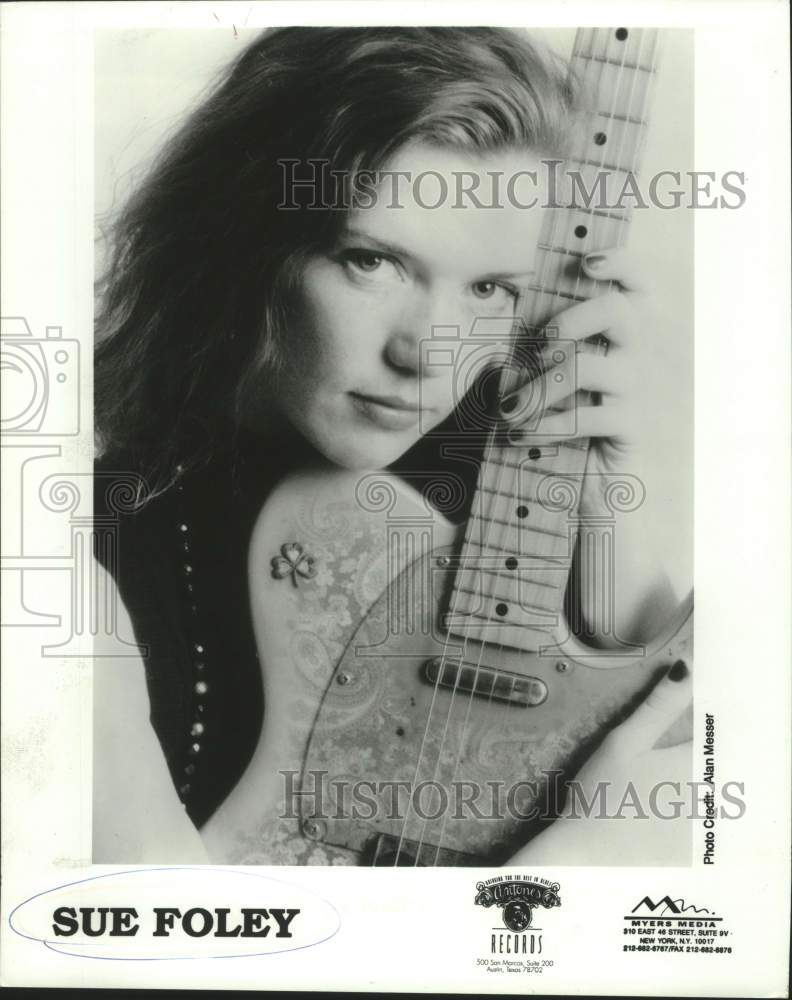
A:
(403, 351)
(409, 344)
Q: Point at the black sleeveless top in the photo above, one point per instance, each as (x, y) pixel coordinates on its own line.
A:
(180, 563)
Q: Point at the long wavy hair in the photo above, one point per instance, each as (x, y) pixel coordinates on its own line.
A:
(194, 303)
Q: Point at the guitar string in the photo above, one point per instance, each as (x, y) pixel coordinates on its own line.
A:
(601, 349)
(442, 661)
(598, 346)
(537, 301)
(484, 523)
(566, 240)
(637, 150)
(536, 304)
(551, 242)
(441, 669)
(644, 100)
(617, 160)
(499, 469)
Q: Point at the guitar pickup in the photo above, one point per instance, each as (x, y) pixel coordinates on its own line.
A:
(494, 685)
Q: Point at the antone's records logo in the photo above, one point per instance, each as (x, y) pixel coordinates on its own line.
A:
(517, 896)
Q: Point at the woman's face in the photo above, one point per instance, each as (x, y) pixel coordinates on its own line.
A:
(365, 378)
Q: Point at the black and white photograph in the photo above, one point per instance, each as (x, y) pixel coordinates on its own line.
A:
(414, 378)
(405, 518)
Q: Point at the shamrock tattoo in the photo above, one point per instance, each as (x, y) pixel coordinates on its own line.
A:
(294, 562)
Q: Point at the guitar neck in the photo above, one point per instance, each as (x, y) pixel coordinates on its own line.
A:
(522, 532)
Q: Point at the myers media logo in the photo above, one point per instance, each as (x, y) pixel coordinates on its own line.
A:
(667, 907)
(672, 925)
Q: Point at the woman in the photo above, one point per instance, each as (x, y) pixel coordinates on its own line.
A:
(268, 291)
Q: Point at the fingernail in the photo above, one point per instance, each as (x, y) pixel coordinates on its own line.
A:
(594, 261)
(679, 671)
(509, 403)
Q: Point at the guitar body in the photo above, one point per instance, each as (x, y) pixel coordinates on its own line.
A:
(363, 684)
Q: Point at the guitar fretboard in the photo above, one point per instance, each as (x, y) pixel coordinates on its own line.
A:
(521, 535)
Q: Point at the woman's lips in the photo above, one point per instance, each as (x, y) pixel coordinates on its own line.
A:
(389, 412)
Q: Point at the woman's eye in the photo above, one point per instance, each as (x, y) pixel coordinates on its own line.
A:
(484, 289)
(491, 289)
(365, 260)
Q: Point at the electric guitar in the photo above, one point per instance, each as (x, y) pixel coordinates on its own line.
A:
(424, 690)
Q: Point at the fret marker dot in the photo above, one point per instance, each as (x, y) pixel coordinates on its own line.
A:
(534, 454)
(502, 609)
(621, 34)
(511, 563)
(522, 511)
(580, 232)
(600, 138)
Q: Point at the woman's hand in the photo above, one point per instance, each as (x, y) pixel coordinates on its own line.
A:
(635, 424)
(637, 429)
(633, 788)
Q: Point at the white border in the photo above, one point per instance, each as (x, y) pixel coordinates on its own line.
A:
(391, 937)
